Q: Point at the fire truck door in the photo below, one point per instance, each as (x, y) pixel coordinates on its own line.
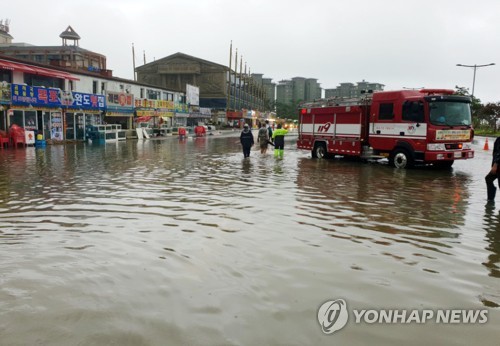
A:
(383, 127)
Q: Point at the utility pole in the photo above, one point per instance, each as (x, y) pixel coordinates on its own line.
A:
(474, 78)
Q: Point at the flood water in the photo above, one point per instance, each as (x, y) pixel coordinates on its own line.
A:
(162, 242)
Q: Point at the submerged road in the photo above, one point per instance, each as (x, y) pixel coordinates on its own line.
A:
(185, 242)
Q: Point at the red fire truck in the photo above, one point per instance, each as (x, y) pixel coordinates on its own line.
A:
(428, 126)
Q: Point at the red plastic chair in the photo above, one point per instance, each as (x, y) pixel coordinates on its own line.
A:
(182, 132)
(18, 139)
(4, 141)
(199, 131)
(17, 135)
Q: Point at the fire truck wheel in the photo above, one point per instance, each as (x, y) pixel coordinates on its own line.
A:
(319, 151)
(400, 158)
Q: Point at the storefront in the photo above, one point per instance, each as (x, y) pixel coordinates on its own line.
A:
(37, 109)
(181, 115)
(83, 110)
(199, 115)
(77, 122)
(5, 99)
(180, 119)
(55, 114)
(221, 117)
(120, 109)
(157, 113)
(167, 118)
(235, 118)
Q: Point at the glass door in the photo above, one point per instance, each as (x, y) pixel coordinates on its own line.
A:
(56, 126)
(46, 125)
(30, 121)
(70, 126)
(80, 126)
(3, 119)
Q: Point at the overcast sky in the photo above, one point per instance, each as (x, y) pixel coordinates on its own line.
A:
(402, 44)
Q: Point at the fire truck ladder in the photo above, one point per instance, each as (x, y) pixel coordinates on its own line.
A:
(337, 101)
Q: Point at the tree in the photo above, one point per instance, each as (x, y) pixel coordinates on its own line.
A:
(287, 110)
(476, 105)
(490, 114)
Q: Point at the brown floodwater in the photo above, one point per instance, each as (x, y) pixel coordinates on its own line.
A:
(158, 242)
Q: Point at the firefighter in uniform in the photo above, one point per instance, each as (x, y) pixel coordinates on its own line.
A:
(279, 141)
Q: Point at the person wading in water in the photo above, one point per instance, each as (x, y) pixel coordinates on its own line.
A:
(279, 141)
(263, 139)
(246, 140)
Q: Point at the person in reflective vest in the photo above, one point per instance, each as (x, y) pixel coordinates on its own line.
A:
(279, 141)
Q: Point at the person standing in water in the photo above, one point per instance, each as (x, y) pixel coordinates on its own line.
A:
(494, 173)
(279, 141)
(246, 140)
(269, 129)
(263, 139)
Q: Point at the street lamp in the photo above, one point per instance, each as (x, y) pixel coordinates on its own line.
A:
(474, 78)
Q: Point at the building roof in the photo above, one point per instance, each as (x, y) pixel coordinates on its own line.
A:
(179, 55)
(70, 34)
(5, 33)
(25, 47)
(30, 63)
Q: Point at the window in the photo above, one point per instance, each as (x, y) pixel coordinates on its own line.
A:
(103, 88)
(6, 75)
(386, 111)
(413, 111)
(17, 118)
(122, 87)
(153, 94)
(168, 96)
(94, 87)
(142, 93)
(450, 113)
(71, 85)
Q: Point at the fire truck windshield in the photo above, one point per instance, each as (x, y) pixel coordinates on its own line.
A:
(450, 113)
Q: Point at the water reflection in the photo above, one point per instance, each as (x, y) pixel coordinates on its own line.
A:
(246, 168)
(492, 228)
(418, 206)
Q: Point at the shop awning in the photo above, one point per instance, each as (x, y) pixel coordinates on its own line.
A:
(14, 66)
(142, 119)
(54, 73)
(9, 65)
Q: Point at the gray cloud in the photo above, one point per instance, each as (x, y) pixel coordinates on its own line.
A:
(397, 43)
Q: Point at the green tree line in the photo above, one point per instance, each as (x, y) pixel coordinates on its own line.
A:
(484, 116)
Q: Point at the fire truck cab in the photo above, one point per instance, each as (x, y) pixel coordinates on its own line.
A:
(428, 126)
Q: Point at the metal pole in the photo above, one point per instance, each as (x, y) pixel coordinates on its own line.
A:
(133, 62)
(474, 77)
(229, 76)
(473, 81)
